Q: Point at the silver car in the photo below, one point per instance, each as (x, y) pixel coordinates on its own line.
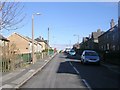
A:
(90, 56)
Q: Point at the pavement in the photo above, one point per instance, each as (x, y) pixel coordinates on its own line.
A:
(17, 78)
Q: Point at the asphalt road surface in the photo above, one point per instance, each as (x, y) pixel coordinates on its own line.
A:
(62, 72)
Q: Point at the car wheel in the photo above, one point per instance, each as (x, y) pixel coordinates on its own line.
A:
(83, 61)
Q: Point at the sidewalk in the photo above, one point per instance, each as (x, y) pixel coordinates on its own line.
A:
(18, 77)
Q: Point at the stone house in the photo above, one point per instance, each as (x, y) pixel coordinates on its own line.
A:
(110, 39)
(91, 42)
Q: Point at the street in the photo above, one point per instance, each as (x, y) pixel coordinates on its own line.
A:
(70, 73)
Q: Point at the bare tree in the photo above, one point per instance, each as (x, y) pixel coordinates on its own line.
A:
(11, 15)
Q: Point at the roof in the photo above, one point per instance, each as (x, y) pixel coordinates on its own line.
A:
(40, 40)
(116, 26)
(21, 36)
(97, 34)
(3, 38)
(26, 38)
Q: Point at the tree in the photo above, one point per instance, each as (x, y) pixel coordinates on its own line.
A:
(11, 15)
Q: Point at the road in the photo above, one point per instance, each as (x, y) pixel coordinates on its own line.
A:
(70, 73)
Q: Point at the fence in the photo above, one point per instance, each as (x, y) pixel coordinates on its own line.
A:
(18, 61)
(10, 64)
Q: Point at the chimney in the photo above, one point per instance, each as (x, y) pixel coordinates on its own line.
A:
(112, 23)
(99, 30)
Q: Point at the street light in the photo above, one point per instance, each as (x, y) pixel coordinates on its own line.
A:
(33, 60)
(48, 41)
(77, 37)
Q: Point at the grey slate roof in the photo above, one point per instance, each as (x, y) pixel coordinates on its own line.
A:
(39, 40)
(97, 34)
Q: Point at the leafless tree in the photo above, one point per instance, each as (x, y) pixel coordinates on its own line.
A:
(11, 15)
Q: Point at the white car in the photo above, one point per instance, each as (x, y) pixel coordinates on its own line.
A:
(72, 52)
(90, 56)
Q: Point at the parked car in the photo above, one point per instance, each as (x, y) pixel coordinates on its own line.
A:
(90, 56)
(67, 50)
(72, 52)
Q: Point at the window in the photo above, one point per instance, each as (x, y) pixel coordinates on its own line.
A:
(114, 47)
(107, 46)
(91, 54)
(113, 37)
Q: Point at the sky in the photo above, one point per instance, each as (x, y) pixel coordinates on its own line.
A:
(66, 19)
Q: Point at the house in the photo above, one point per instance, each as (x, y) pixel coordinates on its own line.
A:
(43, 42)
(91, 42)
(84, 44)
(24, 44)
(110, 39)
(4, 42)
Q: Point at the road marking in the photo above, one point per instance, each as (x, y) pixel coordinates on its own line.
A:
(74, 68)
(85, 82)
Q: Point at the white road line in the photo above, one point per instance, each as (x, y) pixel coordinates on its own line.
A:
(85, 82)
(88, 86)
(74, 68)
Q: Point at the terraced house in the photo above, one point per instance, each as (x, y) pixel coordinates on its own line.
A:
(110, 39)
(91, 42)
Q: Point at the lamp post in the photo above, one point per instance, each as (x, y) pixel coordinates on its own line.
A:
(48, 41)
(33, 60)
(77, 37)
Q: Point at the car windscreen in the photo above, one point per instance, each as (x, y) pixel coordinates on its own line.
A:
(91, 54)
(72, 51)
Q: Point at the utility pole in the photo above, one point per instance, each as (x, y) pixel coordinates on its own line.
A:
(0, 17)
(33, 39)
(48, 41)
(33, 59)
